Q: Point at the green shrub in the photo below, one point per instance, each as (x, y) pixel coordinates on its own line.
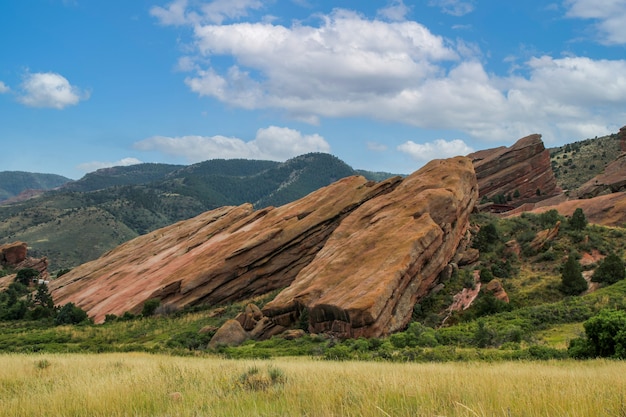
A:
(610, 270)
(338, 352)
(545, 352)
(150, 306)
(486, 237)
(580, 348)
(606, 334)
(70, 314)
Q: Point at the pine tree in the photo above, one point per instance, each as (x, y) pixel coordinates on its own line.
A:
(578, 220)
(572, 281)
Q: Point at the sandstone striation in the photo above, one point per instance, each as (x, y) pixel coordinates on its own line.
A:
(227, 254)
(523, 169)
(384, 257)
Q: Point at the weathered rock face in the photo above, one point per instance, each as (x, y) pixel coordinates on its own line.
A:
(12, 254)
(385, 256)
(524, 167)
(227, 254)
(612, 180)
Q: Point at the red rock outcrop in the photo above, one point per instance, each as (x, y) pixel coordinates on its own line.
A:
(385, 256)
(545, 236)
(612, 180)
(606, 210)
(356, 254)
(495, 286)
(223, 255)
(14, 256)
(524, 167)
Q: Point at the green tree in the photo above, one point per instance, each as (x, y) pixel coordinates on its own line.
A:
(26, 276)
(150, 306)
(610, 270)
(578, 221)
(70, 314)
(572, 281)
(606, 334)
(43, 297)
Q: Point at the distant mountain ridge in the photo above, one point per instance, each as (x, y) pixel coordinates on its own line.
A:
(85, 218)
(13, 183)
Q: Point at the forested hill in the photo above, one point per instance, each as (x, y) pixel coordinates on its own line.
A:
(87, 217)
(12, 183)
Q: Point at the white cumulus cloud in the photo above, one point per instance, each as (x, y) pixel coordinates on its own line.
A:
(394, 70)
(609, 17)
(49, 89)
(4, 88)
(272, 143)
(177, 13)
(95, 165)
(437, 149)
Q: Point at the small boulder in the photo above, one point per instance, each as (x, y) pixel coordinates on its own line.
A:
(495, 286)
(293, 334)
(208, 329)
(254, 311)
(468, 256)
(230, 334)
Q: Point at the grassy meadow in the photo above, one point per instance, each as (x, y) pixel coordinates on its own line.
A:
(142, 384)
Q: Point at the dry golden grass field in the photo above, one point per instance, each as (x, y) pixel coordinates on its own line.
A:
(139, 384)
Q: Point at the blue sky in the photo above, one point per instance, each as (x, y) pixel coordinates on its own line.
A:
(383, 85)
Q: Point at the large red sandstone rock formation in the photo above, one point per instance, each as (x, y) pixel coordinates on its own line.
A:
(524, 167)
(385, 256)
(369, 251)
(227, 254)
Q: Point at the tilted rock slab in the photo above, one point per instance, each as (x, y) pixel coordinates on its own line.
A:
(385, 256)
(228, 254)
(524, 167)
(606, 210)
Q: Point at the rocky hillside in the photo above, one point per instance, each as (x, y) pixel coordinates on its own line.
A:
(14, 183)
(386, 242)
(578, 162)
